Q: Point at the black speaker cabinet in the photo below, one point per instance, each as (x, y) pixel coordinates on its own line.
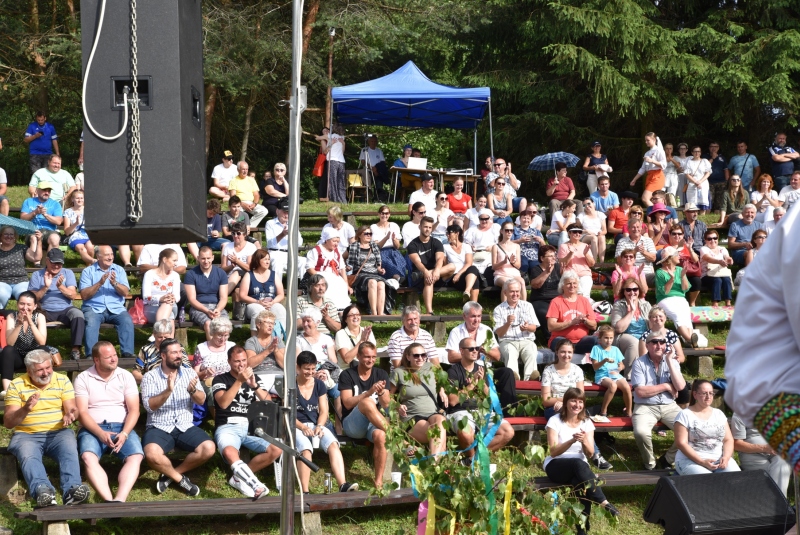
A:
(170, 74)
(726, 503)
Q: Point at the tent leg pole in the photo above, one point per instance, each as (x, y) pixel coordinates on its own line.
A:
(491, 132)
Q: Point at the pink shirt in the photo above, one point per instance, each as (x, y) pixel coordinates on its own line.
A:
(106, 398)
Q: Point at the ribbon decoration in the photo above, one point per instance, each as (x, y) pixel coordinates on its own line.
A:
(507, 502)
(430, 521)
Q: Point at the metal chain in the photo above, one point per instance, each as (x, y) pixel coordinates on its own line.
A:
(135, 199)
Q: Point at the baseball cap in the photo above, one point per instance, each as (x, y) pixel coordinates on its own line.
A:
(45, 185)
(596, 143)
(407, 146)
(55, 256)
(283, 204)
(228, 155)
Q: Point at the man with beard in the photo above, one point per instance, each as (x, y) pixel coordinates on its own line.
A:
(233, 393)
(108, 400)
(40, 407)
(168, 393)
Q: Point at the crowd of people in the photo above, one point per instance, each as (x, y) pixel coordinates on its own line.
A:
(451, 240)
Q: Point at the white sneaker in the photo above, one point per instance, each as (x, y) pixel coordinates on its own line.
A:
(241, 486)
(393, 283)
(3, 394)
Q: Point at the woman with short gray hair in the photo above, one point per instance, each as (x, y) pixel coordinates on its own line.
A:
(571, 316)
(211, 357)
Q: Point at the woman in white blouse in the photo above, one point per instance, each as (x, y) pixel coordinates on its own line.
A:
(161, 288)
(387, 235)
(466, 277)
(697, 171)
(443, 218)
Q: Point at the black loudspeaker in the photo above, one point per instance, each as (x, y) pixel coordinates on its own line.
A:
(265, 416)
(171, 104)
(726, 503)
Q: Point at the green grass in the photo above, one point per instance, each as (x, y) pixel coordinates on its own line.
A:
(212, 477)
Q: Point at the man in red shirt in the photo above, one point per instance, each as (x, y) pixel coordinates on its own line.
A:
(618, 217)
(560, 188)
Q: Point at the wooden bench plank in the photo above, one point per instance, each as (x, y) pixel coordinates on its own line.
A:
(538, 423)
(355, 500)
(613, 479)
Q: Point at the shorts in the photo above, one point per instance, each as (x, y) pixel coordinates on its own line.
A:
(78, 241)
(303, 443)
(200, 318)
(235, 436)
(418, 419)
(187, 440)
(418, 281)
(655, 180)
(46, 235)
(356, 425)
(456, 417)
(88, 443)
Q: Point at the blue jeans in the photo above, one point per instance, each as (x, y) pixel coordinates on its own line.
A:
(215, 243)
(122, 322)
(61, 446)
(720, 288)
(7, 290)
(781, 182)
(686, 467)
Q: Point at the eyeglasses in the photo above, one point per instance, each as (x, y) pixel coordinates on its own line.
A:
(712, 238)
(499, 184)
(237, 233)
(385, 213)
(631, 290)
(628, 256)
(587, 204)
(354, 315)
(451, 232)
(759, 237)
(471, 349)
(636, 213)
(419, 355)
(705, 394)
(532, 212)
(658, 341)
(695, 152)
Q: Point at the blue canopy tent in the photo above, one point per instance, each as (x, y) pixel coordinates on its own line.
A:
(408, 98)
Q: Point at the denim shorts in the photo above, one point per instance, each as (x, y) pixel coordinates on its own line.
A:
(303, 443)
(87, 442)
(356, 425)
(235, 436)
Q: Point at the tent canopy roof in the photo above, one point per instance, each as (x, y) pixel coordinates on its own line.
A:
(408, 98)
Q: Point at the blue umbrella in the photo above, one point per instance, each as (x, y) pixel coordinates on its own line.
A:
(547, 162)
(23, 228)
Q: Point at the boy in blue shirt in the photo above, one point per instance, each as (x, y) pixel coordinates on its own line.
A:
(608, 362)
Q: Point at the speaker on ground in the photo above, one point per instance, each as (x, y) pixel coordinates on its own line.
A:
(726, 503)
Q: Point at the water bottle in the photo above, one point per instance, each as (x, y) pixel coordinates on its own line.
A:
(278, 471)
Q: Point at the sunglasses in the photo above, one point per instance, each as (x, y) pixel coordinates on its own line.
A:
(628, 256)
(636, 213)
(676, 233)
(422, 212)
(508, 230)
(471, 349)
(658, 341)
(695, 152)
(419, 355)
(576, 231)
(587, 204)
(237, 233)
(736, 180)
(385, 213)
(499, 184)
(499, 164)
(442, 198)
(760, 238)
(631, 290)
(712, 238)
(367, 234)
(483, 218)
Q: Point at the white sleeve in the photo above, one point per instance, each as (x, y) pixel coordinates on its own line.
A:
(762, 348)
(176, 285)
(311, 258)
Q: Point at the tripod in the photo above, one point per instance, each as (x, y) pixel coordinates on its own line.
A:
(369, 175)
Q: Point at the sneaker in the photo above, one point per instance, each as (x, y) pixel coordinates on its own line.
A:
(77, 494)
(76, 354)
(182, 315)
(663, 463)
(241, 486)
(45, 496)
(600, 462)
(190, 488)
(535, 375)
(348, 487)
(162, 483)
(261, 491)
(393, 283)
(694, 340)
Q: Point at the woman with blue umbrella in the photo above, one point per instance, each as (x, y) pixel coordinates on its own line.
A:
(560, 187)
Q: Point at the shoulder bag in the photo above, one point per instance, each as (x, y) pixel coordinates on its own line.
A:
(352, 278)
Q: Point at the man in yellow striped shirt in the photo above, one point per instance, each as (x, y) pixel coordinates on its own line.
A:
(40, 407)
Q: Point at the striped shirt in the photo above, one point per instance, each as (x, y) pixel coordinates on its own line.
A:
(177, 410)
(400, 340)
(48, 413)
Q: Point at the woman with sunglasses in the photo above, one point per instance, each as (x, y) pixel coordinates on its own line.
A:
(671, 288)
(276, 188)
(507, 259)
(414, 384)
(690, 260)
(626, 268)
(364, 261)
(262, 290)
(697, 171)
(350, 336)
(702, 435)
(471, 216)
(529, 240)
(577, 256)
(765, 198)
(387, 235)
(658, 230)
(459, 202)
(235, 259)
(443, 217)
(557, 233)
(467, 278)
(501, 201)
(733, 201)
(629, 320)
(594, 229)
(636, 214)
(758, 239)
(411, 228)
(715, 263)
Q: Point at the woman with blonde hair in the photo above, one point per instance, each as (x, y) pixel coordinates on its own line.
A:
(345, 231)
(733, 202)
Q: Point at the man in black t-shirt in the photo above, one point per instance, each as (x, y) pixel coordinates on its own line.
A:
(468, 375)
(233, 393)
(362, 390)
(427, 262)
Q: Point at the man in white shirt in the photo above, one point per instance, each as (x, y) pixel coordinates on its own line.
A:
(63, 183)
(481, 239)
(515, 326)
(222, 175)
(790, 195)
(374, 156)
(426, 195)
(777, 215)
(276, 232)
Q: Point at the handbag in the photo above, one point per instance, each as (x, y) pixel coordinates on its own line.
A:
(319, 165)
(439, 407)
(137, 312)
(690, 267)
(352, 278)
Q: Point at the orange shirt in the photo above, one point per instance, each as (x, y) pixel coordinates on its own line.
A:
(617, 218)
